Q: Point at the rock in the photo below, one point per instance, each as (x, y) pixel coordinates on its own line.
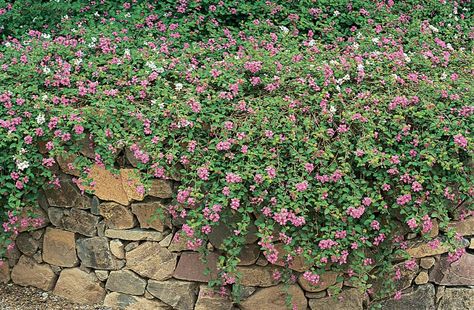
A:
(79, 286)
(161, 189)
(37, 234)
(191, 268)
(102, 275)
(131, 158)
(38, 257)
(131, 245)
(59, 248)
(326, 280)
(4, 272)
(246, 292)
(150, 215)
(315, 295)
(298, 264)
(126, 302)
(471, 244)
(257, 276)
(13, 255)
(107, 186)
(350, 299)
(74, 220)
(427, 262)
(178, 243)
(421, 298)
(249, 254)
(460, 272)
(66, 163)
(273, 298)
(131, 183)
(166, 241)
(261, 261)
(86, 147)
(457, 298)
(68, 195)
(117, 248)
(27, 244)
(440, 289)
(210, 300)
(95, 253)
(101, 229)
(135, 234)
(125, 281)
(29, 273)
(152, 261)
(465, 227)
(222, 231)
(404, 282)
(422, 278)
(116, 216)
(434, 230)
(419, 250)
(180, 295)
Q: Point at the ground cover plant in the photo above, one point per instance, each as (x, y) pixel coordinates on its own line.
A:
(330, 125)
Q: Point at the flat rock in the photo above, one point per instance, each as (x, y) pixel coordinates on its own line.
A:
(249, 254)
(210, 300)
(422, 278)
(161, 189)
(66, 162)
(150, 215)
(130, 183)
(125, 281)
(457, 299)
(27, 244)
(222, 231)
(68, 195)
(95, 253)
(421, 298)
(404, 282)
(422, 249)
(178, 243)
(465, 227)
(274, 298)
(460, 272)
(120, 301)
(59, 248)
(135, 234)
(116, 216)
(181, 295)
(257, 275)
(326, 280)
(74, 220)
(117, 248)
(152, 261)
(297, 264)
(191, 268)
(29, 273)
(4, 272)
(350, 299)
(79, 286)
(427, 262)
(107, 186)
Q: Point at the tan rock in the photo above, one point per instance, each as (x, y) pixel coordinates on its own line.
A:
(422, 278)
(135, 234)
(107, 185)
(427, 262)
(166, 241)
(127, 302)
(274, 298)
(79, 286)
(59, 248)
(125, 281)
(102, 275)
(29, 273)
(249, 254)
(27, 244)
(210, 300)
(471, 244)
(465, 227)
(423, 250)
(116, 216)
(151, 215)
(4, 271)
(152, 261)
(181, 295)
(178, 243)
(131, 182)
(161, 189)
(257, 275)
(326, 280)
(191, 268)
(457, 298)
(117, 248)
(298, 264)
(350, 299)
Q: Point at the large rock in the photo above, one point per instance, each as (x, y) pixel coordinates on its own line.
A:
(74, 220)
(27, 244)
(222, 231)
(210, 300)
(404, 282)
(118, 301)
(117, 248)
(257, 276)
(152, 261)
(191, 268)
(457, 299)
(29, 273)
(59, 248)
(125, 281)
(297, 264)
(135, 234)
(131, 182)
(4, 272)
(249, 254)
(422, 298)
(326, 280)
(116, 216)
(422, 249)
(465, 227)
(460, 272)
(274, 298)
(95, 253)
(161, 189)
(66, 163)
(151, 215)
(68, 195)
(350, 299)
(107, 186)
(79, 286)
(181, 295)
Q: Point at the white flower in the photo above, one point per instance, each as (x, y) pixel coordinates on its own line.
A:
(46, 70)
(160, 70)
(151, 65)
(94, 39)
(433, 28)
(8, 44)
(450, 47)
(77, 61)
(360, 67)
(22, 165)
(311, 42)
(444, 76)
(45, 35)
(96, 14)
(128, 15)
(45, 97)
(40, 119)
(284, 29)
(127, 52)
(375, 40)
(337, 13)
(91, 45)
(332, 109)
(178, 86)
(356, 46)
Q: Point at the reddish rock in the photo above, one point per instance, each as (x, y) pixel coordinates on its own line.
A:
(131, 182)
(210, 300)
(274, 298)
(66, 162)
(191, 268)
(29, 273)
(298, 264)
(181, 295)
(465, 227)
(422, 249)
(257, 275)
(249, 254)
(59, 248)
(68, 195)
(107, 185)
(116, 216)
(458, 273)
(79, 286)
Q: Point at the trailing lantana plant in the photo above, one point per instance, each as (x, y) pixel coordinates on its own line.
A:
(328, 133)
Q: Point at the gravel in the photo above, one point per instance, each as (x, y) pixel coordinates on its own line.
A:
(14, 297)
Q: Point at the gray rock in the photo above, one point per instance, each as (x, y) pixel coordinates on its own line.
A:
(95, 253)
(457, 298)
(134, 234)
(421, 298)
(460, 272)
(125, 281)
(180, 295)
(120, 301)
(27, 244)
(68, 195)
(74, 220)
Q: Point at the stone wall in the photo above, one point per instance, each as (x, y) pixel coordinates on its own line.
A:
(109, 249)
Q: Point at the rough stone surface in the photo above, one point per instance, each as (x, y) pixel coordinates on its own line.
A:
(350, 299)
(222, 231)
(465, 227)
(180, 295)
(152, 261)
(59, 248)
(120, 301)
(315, 295)
(131, 182)
(28, 272)
(471, 244)
(209, 300)
(325, 280)
(68, 195)
(404, 282)
(191, 268)
(273, 298)
(457, 299)
(102, 275)
(421, 298)
(4, 272)
(422, 278)
(166, 241)
(135, 234)
(423, 249)
(149, 217)
(107, 185)
(427, 262)
(117, 248)
(125, 281)
(26, 244)
(257, 276)
(178, 243)
(74, 220)
(249, 254)
(161, 189)
(79, 286)
(116, 216)
(64, 161)
(95, 253)
(298, 264)
(460, 272)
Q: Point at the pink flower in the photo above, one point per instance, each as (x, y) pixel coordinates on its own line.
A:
(302, 186)
(356, 212)
(416, 187)
(412, 223)
(203, 173)
(460, 141)
(233, 178)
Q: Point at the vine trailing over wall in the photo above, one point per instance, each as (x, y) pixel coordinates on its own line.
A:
(328, 131)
